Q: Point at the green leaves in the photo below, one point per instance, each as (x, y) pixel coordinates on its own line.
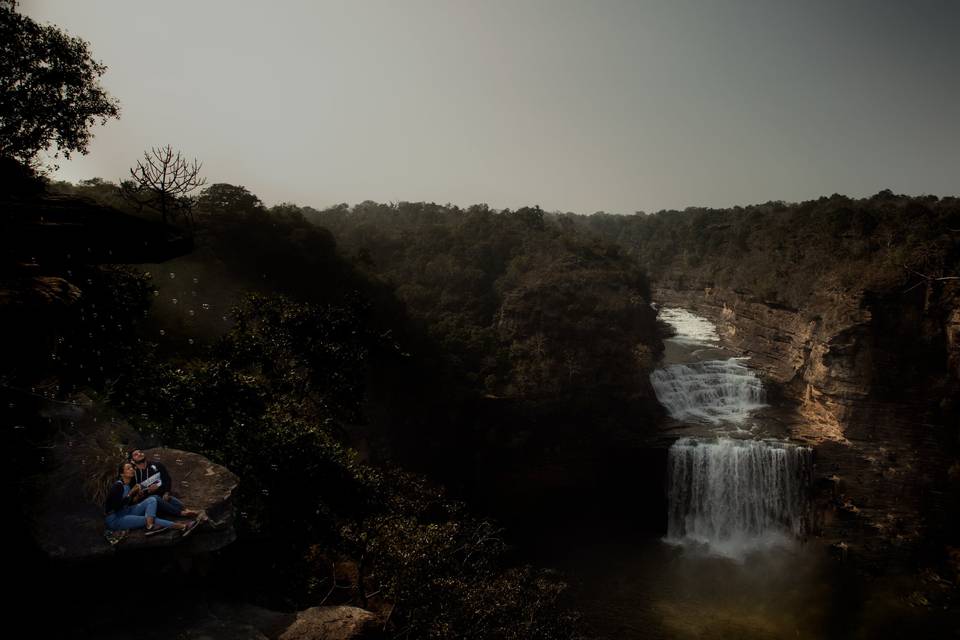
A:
(49, 90)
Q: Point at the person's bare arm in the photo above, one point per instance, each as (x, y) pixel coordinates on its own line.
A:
(135, 495)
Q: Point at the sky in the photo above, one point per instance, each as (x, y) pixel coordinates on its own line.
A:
(574, 106)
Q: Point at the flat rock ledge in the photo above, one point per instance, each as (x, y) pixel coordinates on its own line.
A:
(70, 527)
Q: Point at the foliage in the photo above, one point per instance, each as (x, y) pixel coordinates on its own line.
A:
(516, 299)
(270, 401)
(50, 95)
(786, 253)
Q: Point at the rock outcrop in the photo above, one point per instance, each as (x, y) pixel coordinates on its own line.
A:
(69, 522)
(874, 376)
(236, 621)
(71, 527)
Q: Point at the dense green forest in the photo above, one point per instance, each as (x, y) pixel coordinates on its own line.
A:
(785, 253)
(338, 349)
(526, 305)
(315, 358)
(421, 402)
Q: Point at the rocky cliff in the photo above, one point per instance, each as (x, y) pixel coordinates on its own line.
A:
(874, 377)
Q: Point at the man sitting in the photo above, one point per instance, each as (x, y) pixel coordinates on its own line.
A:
(167, 503)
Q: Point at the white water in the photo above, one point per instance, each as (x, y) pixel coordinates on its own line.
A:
(713, 391)
(735, 496)
(691, 329)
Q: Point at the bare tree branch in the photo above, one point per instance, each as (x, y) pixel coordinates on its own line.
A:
(163, 181)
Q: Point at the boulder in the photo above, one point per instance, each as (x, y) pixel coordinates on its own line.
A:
(240, 621)
(70, 526)
(315, 623)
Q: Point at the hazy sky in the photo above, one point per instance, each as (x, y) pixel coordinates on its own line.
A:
(576, 106)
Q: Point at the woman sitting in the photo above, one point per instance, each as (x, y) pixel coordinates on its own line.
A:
(128, 507)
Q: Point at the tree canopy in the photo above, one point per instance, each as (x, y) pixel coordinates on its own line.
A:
(50, 92)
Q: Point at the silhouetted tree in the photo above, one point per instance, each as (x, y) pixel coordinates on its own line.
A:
(222, 198)
(50, 95)
(163, 181)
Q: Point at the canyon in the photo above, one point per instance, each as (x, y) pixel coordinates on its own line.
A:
(871, 379)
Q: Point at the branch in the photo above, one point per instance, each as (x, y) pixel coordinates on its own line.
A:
(926, 278)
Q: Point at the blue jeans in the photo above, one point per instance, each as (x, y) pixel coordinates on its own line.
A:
(135, 516)
(172, 508)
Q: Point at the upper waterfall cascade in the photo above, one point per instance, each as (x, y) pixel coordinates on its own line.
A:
(715, 391)
(710, 391)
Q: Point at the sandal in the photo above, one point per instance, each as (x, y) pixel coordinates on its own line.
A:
(155, 530)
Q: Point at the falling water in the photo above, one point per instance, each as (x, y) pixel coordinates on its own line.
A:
(710, 391)
(737, 495)
(713, 391)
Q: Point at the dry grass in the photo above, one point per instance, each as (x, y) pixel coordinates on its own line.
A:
(89, 458)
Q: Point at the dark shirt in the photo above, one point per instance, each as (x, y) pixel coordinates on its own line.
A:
(153, 467)
(118, 497)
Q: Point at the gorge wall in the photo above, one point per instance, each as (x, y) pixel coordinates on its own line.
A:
(874, 377)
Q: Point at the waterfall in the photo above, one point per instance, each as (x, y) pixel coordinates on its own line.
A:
(691, 329)
(710, 391)
(737, 495)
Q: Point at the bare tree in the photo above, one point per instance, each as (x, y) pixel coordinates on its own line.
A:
(163, 181)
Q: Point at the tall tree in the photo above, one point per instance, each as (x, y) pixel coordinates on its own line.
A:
(163, 181)
(50, 94)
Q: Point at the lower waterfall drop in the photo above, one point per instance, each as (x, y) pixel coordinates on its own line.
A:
(737, 495)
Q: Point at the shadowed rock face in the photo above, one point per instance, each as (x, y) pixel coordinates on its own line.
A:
(44, 238)
(874, 377)
(65, 229)
(70, 527)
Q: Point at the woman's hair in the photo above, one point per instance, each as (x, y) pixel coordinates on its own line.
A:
(120, 470)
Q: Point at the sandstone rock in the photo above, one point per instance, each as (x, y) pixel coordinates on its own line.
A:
(238, 621)
(330, 623)
(872, 375)
(70, 526)
(315, 623)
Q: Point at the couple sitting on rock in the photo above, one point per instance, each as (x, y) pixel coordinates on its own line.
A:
(143, 489)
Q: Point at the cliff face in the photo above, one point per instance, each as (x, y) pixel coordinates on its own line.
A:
(874, 376)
